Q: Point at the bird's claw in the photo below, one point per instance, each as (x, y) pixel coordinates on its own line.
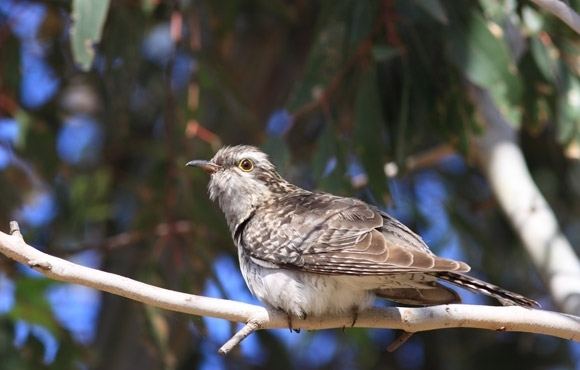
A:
(354, 317)
(290, 326)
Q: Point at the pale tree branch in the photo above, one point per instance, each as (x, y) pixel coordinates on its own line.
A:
(242, 334)
(561, 10)
(530, 214)
(410, 320)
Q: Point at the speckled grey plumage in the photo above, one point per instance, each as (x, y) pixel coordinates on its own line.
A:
(310, 253)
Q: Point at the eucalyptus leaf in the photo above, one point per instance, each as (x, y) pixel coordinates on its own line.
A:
(434, 9)
(328, 163)
(383, 52)
(323, 63)
(278, 151)
(369, 132)
(31, 304)
(545, 62)
(361, 20)
(484, 59)
(88, 20)
(569, 112)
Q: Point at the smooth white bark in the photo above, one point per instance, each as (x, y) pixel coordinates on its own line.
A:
(256, 317)
(527, 210)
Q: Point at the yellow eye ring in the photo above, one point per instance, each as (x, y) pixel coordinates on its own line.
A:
(246, 165)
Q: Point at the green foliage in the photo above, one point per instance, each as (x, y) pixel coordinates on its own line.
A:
(485, 60)
(31, 305)
(88, 20)
(89, 196)
(329, 162)
(435, 9)
(369, 134)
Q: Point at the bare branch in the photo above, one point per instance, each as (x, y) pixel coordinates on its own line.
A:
(248, 329)
(402, 339)
(528, 211)
(410, 320)
(425, 159)
(561, 10)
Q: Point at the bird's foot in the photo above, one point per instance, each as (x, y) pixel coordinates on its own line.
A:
(301, 316)
(354, 318)
(290, 327)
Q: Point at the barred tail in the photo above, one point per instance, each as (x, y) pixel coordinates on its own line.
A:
(505, 297)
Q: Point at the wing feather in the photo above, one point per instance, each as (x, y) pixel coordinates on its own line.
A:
(325, 234)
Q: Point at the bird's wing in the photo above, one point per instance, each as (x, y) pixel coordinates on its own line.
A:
(325, 234)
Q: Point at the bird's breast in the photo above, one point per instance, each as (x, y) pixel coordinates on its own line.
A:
(300, 293)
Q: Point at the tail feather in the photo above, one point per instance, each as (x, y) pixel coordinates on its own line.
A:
(505, 297)
(433, 294)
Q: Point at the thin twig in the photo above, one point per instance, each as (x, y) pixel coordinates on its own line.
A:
(242, 334)
(15, 229)
(125, 239)
(429, 158)
(422, 160)
(397, 343)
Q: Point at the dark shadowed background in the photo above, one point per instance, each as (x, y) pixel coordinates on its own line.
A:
(360, 98)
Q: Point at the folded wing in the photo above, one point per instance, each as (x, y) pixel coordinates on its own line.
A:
(325, 234)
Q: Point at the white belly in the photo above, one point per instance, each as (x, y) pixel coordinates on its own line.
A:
(301, 293)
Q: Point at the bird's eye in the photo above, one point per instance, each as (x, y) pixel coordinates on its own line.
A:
(246, 165)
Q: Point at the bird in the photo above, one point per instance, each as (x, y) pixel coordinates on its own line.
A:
(313, 253)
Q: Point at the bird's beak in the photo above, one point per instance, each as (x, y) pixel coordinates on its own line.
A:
(207, 166)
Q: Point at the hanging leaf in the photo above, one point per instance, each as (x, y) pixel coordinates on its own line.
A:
(485, 60)
(369, 131)
(434, 9)
(277, 150)
(31, 303)
(361, 15)
(327, 53)
(321, 67)
(88, 20)
(328, 162)
(383, 52)
(569, 111)
(547, 64)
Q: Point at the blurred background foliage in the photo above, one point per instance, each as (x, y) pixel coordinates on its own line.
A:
(361, 98)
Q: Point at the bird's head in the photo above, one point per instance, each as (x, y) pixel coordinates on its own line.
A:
(241, 178)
